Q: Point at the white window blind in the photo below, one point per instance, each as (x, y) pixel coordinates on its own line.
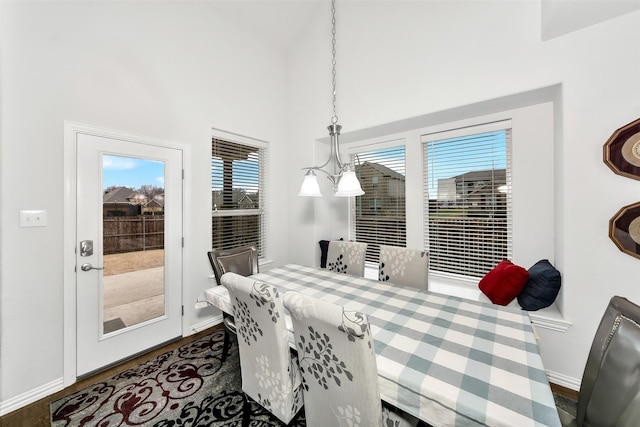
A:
(467, 213)
(237, 193)
(378, 216)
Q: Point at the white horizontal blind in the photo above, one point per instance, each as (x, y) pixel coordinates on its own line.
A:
(467, 213)
(237, 193)
(378, 216)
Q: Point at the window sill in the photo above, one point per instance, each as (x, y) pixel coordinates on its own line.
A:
(547, 318)
(265, 264)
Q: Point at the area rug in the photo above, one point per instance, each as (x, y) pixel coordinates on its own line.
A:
(187, 386)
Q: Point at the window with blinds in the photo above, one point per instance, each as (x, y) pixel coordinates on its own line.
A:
(378, 216)
(468, 199)
(237, 195)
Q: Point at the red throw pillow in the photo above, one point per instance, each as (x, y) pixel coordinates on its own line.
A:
(504, 282)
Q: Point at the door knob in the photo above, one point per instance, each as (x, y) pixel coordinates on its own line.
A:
(87, 266)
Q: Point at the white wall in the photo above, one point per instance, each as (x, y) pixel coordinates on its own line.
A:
(165, 70)
(174, 70)
(401, 60)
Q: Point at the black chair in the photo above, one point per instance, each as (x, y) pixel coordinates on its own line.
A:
(610, 389)
(243, 261)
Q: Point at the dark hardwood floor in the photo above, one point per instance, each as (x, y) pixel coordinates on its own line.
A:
(564, 391)
(37, 414)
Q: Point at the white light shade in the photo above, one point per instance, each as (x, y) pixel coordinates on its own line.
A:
(349, 185)
(310, 187)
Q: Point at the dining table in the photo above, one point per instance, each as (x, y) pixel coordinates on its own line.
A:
(446, 360)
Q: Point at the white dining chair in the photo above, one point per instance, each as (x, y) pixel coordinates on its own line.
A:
(346, 257)
(404, 266)
(338, 365)
(270, 373)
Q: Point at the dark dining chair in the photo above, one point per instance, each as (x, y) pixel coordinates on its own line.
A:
(610, 389)
(241, 260)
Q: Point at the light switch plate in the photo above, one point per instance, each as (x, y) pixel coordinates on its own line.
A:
(33, 218)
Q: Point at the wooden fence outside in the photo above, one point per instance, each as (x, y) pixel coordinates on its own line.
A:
(132, 233)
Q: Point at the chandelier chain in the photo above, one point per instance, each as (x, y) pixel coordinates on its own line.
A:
(334, 118)
(342, 176)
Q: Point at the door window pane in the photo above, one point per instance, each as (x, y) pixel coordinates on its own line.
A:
(133, 241)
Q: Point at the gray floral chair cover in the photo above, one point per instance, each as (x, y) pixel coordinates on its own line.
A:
(270, 374)
(338, 364)
(346, 257)
(404, 266)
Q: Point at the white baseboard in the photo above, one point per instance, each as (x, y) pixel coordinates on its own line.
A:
(206, 324)
(563, 380)
(31, 396)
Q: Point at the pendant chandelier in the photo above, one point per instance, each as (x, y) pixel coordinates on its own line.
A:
(342, 176)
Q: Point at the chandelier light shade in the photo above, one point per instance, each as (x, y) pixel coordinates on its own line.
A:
(349, 185)
(310, 187)
(342, 176)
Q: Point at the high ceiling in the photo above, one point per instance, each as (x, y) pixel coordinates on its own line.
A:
(281, 21)
(278, 21)
(564, 16)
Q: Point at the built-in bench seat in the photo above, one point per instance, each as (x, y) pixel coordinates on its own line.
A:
(548, 318)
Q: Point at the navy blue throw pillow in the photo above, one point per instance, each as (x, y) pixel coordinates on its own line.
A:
(542, 287)
(324, 248)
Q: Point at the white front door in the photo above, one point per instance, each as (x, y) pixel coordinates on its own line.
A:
(128, 248)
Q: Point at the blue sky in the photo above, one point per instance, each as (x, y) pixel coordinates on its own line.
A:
(131, 172)
(245, 173)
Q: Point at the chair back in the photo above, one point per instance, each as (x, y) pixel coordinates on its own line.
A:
(404, 266)
(242, 260)
(610, 389)
(337, 361)
(270, 374)
(346, 257)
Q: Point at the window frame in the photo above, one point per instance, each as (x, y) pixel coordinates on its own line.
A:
(534, 148)
(261, 211)
(353, 150)
(465, 132)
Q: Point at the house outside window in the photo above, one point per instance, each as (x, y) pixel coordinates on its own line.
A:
(375, 204)
(378, 216)
(237, 194)
(467, 209)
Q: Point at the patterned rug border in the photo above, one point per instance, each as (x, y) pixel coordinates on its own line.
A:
(188, 385)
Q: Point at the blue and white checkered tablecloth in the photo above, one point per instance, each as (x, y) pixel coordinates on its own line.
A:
(447, 360)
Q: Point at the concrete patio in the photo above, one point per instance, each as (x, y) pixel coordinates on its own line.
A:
(135, 296)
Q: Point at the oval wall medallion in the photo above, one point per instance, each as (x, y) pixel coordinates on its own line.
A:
(622, 150)
(624, 229)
